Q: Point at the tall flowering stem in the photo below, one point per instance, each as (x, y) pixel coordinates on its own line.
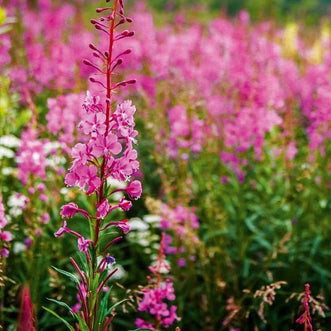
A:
(305, 318)
(106, 152)
(157, 294)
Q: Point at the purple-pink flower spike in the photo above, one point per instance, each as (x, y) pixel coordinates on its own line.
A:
(106, 150)
(305, 318)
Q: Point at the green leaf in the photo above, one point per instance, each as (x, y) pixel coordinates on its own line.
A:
(60, 303)
(60, 318)
(68, 274)
(115, 305)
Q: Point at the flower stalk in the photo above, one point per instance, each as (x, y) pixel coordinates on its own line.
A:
(109, 153)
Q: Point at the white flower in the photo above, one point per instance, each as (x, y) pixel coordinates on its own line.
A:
(6, 152)
(138, 224)
(17, 202)
(7, 171)
(10, 141)
(117, 196)
(120, 273)
(152, 218)
(18, 248)
(115, 183)
(50, 146)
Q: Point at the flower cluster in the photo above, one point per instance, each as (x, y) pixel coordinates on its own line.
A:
(156, 295)
(5, 236)
(105, 152)
(180, 224)
(63, 116)
(112, 143)
(186, 134)
(305, 318)
(31, 157)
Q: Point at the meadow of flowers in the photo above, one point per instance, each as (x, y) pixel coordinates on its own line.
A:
(162, 170)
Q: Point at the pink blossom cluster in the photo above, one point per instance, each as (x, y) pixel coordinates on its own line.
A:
(63, 115)
(32, 157)
(52, 56)
(106, 150)
(153, 304)
(157, 294)
(305, 318)
(5, 45)
(186, 134)
(5, 236)
(112, 142)
(179, 223)
(240, 95)
(315, 99)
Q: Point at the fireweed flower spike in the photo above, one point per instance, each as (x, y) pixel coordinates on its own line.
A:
(156, 294)
(305, 318)
(106, 150)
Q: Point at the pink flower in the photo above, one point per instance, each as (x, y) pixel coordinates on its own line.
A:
(4, 252)
(61, 230)
(6, 236)
(3, 220)
(125, 204)
(134, 189)
(45, 218)
(81, 153)
(93, 181)
(181, 262)
(71, 209)
(43, 197)
(31, 190)
(140, 323)
(92, 104)
(84, 176)
(122, 225)
(93, 124)
(103, 209)
(41, 187)
(83, 244)
(106, 145)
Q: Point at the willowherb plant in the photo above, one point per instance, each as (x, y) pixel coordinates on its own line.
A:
(155, 296)
(107, 152)
(307, 300)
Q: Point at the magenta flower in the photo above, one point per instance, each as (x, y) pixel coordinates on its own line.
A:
(84, 176)
(41, 187)
(142, 324)
(93, 181)
(45, 218)
(4, 252)
(83, 244)
(125, 204)
(61, 230)
(6, 236)
(124, 226)
(106, 145)
(92, 103)
(71, 209)
(93, 124)
(81, 153)
(109, 132)
(134, 189)
(103, 209)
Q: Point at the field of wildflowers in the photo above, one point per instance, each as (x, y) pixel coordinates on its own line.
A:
(163, 170)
